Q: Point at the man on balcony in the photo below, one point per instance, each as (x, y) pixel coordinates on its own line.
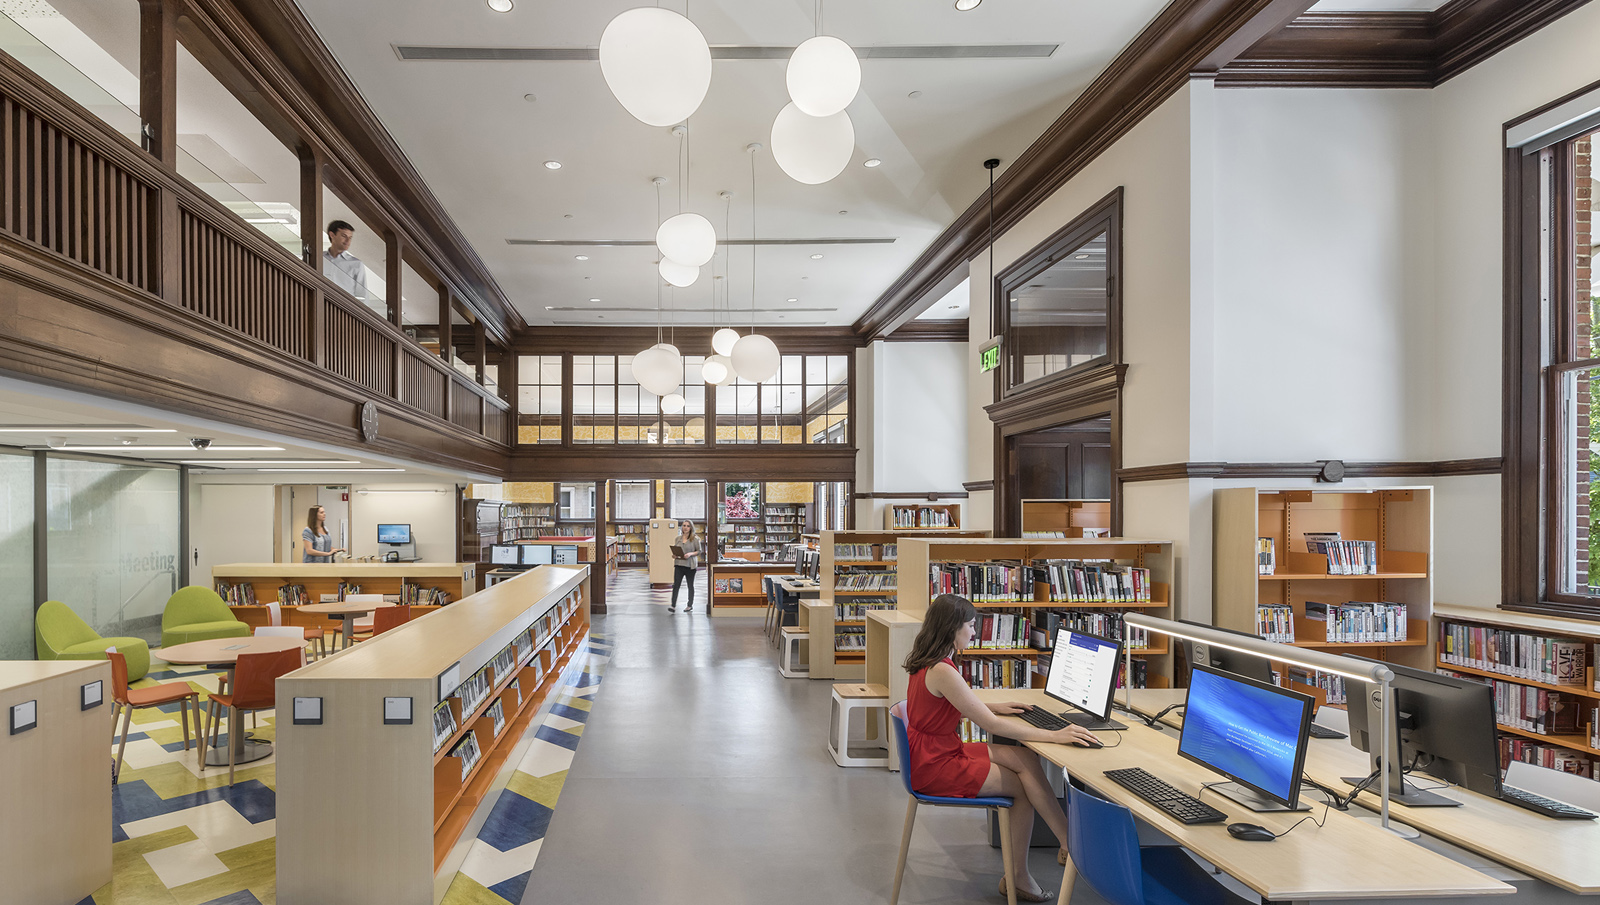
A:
(339, 265)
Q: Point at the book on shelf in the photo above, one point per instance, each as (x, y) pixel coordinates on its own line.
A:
(1345, 557)
(241, 594)
(843, 553)
(857, 611)
(995, 672)
(444, 724)
(504, 662)
(416, 595)
(473, 691)
(891, 552)
(1359, 623)
(849, 639)
(497, 712)
(293, 595)
(1275, 622)
(876, 580)
(1531, 709)
(1266, 556)
(1512, 653)
(1331, 685)
(467, 749)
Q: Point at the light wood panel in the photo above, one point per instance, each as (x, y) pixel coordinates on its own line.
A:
(55, 835)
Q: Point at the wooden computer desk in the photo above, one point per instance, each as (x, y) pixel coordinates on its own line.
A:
(1563, 853)
(1346, 858)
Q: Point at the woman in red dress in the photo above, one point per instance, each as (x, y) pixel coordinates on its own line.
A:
(943, 765)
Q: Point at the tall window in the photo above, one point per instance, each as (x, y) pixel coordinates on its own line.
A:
(594, 398)
(687, 499)
(807, 401)
(539, 399)
(638, 409)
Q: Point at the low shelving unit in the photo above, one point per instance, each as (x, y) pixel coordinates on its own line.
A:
(411, 583)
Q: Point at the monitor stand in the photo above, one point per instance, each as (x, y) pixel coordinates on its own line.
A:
(1252, 799)
(1408, 794)
(1091, 722)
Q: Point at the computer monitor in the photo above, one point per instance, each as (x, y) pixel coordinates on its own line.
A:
(504, 554)
(394, 534)
(566, 554)
(535, 554)
(813, 564)
(1254, 733)
(1443, 726)
(1083, 673)
(1251, 666)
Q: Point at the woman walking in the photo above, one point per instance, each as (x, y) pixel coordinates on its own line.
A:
(685, 560)
(941, 764)
(316, 544)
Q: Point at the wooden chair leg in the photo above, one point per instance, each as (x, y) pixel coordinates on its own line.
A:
(1069, 878)
(200, 717)
(1007, 855)
(127, 717)
(905, 848)
(183, 710)
(233, 726)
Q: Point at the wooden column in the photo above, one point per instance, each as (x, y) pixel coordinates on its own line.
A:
(444, 349)
(480, 346)
(599, 576)
(158, 110)
(311, 228)
(394, 249)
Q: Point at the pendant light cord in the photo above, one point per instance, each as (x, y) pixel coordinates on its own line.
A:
(753, 244)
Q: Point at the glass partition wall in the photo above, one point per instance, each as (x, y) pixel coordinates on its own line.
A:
(16, 555)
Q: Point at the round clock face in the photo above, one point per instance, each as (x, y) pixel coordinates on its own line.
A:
(369, 422)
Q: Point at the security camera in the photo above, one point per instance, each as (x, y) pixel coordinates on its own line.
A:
(127, 441)
(200, 442)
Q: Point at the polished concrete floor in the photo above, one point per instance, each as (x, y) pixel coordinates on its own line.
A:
(704, 777)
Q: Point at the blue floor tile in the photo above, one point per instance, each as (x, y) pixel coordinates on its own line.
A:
(242, 897)
(254, 800)
(514, 821)
(512, 889)
(571, 713)
(556, 737)
(587, 680)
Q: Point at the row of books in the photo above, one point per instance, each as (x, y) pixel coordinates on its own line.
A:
(912, 517)
(1345, 557)
(1092, 622)
(467, 749)
(849, 639)
(1332, 685)
(986, 582)
(854, 552)
(1266, 556)
(416, 595)
(855, 612)
(1075, 581)
(1359, 623)
(1520, 655)
(1275, 622)
(1548, 756)
(241, 594)
(1001, 631)
(995, 672)
(444, 724)
(1065, 581)
(865, 581)
(497, 713)
(1531, 709)
(477, 687)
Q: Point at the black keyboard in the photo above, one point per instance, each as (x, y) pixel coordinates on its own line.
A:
(1181, 806)
(1044, 719)
(1546, 806)
(1325, 732)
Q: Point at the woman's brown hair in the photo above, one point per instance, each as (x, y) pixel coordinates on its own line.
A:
(311, 522)
(945, 616)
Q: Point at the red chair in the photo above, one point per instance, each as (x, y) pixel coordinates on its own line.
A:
(385, 618)
(255, 679)
(125, 700)
(314, 635)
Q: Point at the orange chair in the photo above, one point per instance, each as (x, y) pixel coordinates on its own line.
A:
(385, 618)
(255, 679)
(125, 700)
(315, 635)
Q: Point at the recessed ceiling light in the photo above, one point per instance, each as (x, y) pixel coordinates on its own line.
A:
(503, 6)
(816, 257)
(187, 449)
(549, 307)
(566, 216)
(580, 257)
(552, 164)
(1083, 257)
(530, 98)
(793, 300)
(594, 300)
(965, 5)
(914, 95)
(871, 162)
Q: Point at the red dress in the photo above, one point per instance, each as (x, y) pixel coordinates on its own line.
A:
(941, 764)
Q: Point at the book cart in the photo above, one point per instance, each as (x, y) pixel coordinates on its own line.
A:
(1397, 523)
(386, 750)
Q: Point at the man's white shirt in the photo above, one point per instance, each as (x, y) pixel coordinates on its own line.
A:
(346, 270)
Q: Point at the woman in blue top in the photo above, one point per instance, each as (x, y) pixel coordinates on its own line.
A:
(316, 544)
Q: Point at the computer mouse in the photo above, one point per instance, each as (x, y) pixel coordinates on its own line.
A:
(1089, 743)
(1250, 832)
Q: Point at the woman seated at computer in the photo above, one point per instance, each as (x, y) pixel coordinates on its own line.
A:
(941, 764)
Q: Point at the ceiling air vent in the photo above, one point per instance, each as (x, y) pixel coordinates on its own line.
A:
(429, 52)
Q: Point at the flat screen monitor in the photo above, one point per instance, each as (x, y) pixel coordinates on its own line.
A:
(813, 564)
(504, 555)
(1254, 733)
(1239, 663)
(566, 554)
(1083, 671)
(535, 554)
(1443, 726)
(394, 534)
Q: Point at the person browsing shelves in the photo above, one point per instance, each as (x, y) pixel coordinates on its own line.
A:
(685, 559)
(316, 544)
(941, 764)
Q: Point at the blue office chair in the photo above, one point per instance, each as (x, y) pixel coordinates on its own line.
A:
(1105, 851)
(1000, 803)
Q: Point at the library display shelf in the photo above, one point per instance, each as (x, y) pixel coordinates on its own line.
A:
(632, 544)
(926, 516)
(1066, 518)
(736, 587)
(1267, 578)
(526, 521)
(394, 743)
(248, 587)
(480, 529)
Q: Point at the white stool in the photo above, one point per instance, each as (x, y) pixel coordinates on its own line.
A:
(873, 700)
(795, 661)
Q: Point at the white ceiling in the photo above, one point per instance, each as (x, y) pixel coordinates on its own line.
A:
(480, 145)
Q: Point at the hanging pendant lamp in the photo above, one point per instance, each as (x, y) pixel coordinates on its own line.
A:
(812, 149)
(673, 403)
(679, 275)
(756, 358)
(823, 76)
(656, 63)
(688, 239)
(722, 341)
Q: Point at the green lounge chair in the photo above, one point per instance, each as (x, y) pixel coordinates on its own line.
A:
(61, 634)
(198, 614)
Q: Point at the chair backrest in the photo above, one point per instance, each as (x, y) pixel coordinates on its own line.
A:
(385, 618)
(255, 677)
(56, 627)
(274, 613)
(195, 604)
(1105, 847)
(119, 675)
(284, 631)
(902, 744)
(1568, 787)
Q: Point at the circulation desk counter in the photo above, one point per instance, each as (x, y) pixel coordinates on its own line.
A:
(387, 748)
(412, 582)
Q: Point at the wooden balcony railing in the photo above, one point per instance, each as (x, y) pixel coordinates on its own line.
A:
(72, 188)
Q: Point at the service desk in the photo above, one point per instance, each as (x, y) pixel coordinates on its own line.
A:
(1345, 859)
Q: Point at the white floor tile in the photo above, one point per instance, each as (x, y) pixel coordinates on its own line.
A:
(489, 866)
(561, 722)
(544, 758)
(184, 863)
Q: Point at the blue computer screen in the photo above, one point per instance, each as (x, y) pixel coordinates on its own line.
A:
(1246, 732)
(394, 534)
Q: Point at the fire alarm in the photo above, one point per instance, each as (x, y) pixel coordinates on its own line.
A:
(344, 497)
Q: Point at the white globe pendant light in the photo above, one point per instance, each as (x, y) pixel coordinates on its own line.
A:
(657, 370)
(715, 370)
(679, 275)
(823, 76)
(722, 341)
(690, 239)
(811, 149)
(673, 403)
(657, 65)
(756, 358)
(669, 347)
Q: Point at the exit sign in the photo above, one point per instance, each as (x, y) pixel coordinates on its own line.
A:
(989, 356)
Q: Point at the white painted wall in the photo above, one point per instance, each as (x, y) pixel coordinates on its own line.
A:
(229, 523)
(917, 422)
(430, 514)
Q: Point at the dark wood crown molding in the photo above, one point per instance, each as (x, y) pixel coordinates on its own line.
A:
(978, 486)
(1176, 471)
(758, 463)
(691, 340)
(1067, 397)
(929, 331)
(1390, 49)
(928, 495)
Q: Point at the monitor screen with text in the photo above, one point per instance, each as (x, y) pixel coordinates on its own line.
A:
(1251, 732)
(1083, 671)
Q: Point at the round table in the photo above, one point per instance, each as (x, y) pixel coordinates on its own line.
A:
(348, 610)
(223, 653)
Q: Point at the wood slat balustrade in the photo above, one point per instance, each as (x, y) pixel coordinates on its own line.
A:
(423, 383)
(466, 407)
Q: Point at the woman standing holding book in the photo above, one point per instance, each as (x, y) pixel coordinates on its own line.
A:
(941, 764)
(316, 544)
(685, 559)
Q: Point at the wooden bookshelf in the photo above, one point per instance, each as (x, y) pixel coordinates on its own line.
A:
(1065, 518)
(888, 637)
(480, 529)
(1398, 519)
(662, 535)
(751, 598)
(926, 516)
(357, 790)
(526, 521)
(633, 539)
(390, 579)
